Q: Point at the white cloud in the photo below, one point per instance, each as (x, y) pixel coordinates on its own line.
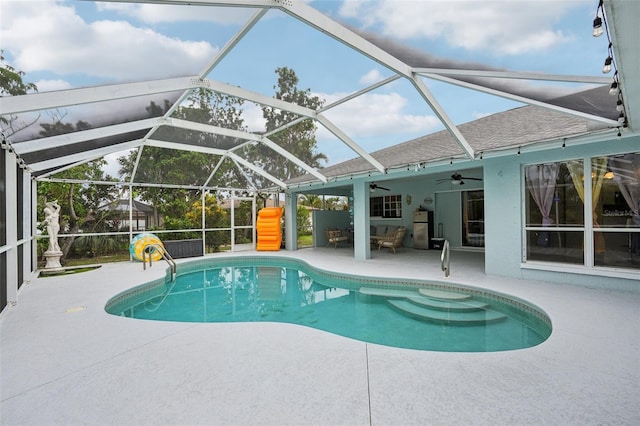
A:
(53, 37)
(113, 167)
(156, 13)
(376, 115)
(371, 77)
(500, 26)
(51, 85)
(252, 116)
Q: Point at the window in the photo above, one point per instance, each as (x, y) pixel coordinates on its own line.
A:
(616, 210)
(554, 212)
(473, 218)
(387, 206)
(584, 211)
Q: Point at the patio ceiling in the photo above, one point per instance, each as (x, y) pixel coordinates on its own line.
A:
(49, 155)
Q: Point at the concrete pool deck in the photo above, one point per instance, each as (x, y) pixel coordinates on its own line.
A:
(65, 361)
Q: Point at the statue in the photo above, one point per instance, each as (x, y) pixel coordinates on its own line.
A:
(51, 219)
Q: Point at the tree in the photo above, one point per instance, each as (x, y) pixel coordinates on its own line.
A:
(298, 139)
(311, 200)
(12, 84)
(214, 216)
(80, 203)
(158, 165)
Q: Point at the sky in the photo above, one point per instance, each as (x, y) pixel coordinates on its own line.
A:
(66, 44)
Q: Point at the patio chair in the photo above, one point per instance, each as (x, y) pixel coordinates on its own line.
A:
(393, 240)
(335, 237)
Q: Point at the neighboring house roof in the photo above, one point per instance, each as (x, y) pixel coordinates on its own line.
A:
(509, 129)
(123, 205)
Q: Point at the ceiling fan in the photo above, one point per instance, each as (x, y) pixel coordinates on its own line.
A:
(456, 179)
(373, 186)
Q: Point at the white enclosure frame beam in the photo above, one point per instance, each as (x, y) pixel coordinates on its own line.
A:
(277, 148)
(351, 144)
(213, 172)
(258, 170)
(442, 116)
(516, 75)
(238, 134)
(522, 99)
(326, 25)
(71, 97)
(207, 150)
(233, 42)
(243, 173)
(359, 93)
(183, 147)
(258, 98)
(83, 135)
(225, 3)
(83, 157)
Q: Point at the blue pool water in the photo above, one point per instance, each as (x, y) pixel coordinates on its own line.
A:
(405, 314)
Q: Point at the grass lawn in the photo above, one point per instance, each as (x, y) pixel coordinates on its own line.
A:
(305, 240)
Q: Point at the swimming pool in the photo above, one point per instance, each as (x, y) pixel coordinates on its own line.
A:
(410, 314)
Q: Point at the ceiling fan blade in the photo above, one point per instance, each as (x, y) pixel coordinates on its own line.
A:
(374, 186)
(469, 178)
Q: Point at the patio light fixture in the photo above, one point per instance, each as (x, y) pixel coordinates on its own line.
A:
(600, 27)
(598, 30)
(597, 27)
(606, 69)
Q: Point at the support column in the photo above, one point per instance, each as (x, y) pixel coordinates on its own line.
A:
(361, 234)
(11, 226)
(290, 221)
(33, 224)
(27, 215)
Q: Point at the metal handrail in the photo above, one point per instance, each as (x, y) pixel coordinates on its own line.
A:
(165, 255)
(445, 258)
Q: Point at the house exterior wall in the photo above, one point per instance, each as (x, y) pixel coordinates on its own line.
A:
(328, 219)
(504, 211)
(504, 219)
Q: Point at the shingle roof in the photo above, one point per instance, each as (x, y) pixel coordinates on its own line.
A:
(516, 127)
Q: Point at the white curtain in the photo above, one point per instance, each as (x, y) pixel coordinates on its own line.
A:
(541, 180)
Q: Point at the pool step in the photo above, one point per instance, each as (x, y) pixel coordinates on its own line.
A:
(441, 294)
(448, 305)
(397, 293)
(444, 317)
(388, 292)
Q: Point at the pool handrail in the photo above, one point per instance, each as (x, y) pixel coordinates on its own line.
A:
(445, 258)
(165, 255)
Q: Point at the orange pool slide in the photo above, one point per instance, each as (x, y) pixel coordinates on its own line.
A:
(268, 229)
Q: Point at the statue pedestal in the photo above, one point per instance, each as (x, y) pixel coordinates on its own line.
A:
(53, 260)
